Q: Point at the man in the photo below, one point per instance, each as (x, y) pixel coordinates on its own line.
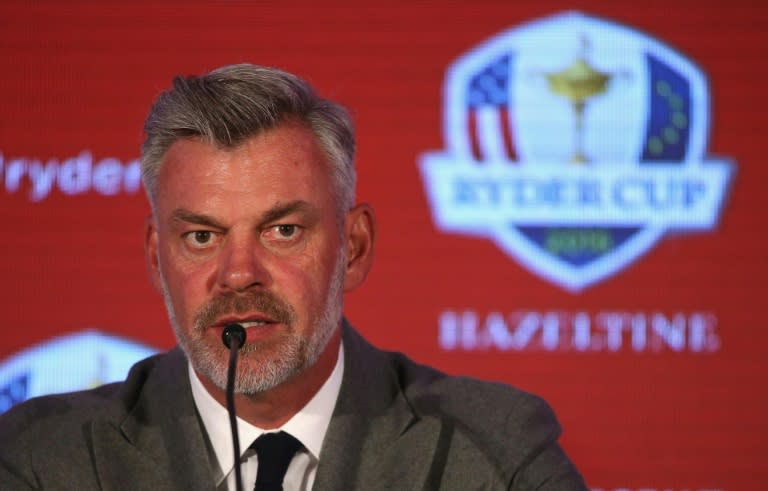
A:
(251, 181)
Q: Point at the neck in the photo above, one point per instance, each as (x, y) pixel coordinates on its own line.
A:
(273, 408)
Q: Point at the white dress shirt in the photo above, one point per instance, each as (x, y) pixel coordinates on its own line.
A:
(308, 426)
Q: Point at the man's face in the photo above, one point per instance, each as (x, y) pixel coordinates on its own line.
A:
(250, 235)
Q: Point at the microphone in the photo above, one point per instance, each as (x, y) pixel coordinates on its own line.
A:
(233, 338)
(233, 333)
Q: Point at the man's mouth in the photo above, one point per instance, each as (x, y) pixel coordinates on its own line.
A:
(247, 322)
(255, 310)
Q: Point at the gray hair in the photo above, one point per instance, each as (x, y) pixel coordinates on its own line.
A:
(233, 103)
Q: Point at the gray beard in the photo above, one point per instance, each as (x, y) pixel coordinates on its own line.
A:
(291, 356)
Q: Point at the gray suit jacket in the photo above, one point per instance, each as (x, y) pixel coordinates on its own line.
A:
(397, 425)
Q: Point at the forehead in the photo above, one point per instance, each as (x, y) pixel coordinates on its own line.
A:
(280, 165)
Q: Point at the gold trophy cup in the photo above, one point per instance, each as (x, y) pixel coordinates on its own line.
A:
(578, 83)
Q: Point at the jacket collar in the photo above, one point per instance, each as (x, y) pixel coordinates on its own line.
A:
(374, 429)
(160, 439)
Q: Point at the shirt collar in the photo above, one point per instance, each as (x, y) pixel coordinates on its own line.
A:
(309, 425)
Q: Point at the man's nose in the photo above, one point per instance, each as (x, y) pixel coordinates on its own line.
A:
(242, 265)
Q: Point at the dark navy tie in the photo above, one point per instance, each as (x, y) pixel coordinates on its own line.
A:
(275, 451)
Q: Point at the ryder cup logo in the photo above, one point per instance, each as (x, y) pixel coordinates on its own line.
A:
(575, 144)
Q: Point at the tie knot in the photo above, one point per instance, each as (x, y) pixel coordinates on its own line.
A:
(275, 451)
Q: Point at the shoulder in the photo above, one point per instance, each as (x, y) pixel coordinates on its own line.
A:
(60, 422)
(486, 435)
(513, 430)
(494, 412)
(38, 413)
(488, 412)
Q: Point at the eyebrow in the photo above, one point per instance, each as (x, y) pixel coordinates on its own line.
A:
(281, 210)
(183, 215)
(275, 213)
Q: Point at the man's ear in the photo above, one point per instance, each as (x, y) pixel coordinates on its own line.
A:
(151, 252)
(360, 236)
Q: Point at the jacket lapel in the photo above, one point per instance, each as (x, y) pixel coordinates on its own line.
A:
(374, 429)
(159, 444)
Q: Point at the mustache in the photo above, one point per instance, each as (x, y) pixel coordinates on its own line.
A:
(243, 303)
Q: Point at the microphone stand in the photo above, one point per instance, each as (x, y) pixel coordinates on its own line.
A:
(233, 338)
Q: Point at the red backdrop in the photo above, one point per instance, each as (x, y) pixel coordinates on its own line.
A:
(79, 76)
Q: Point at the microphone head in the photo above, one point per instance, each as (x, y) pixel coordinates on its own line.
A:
(234, 334)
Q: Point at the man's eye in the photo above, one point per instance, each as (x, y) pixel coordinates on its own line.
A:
(199, 238)
(283, 232)
(286, 231)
